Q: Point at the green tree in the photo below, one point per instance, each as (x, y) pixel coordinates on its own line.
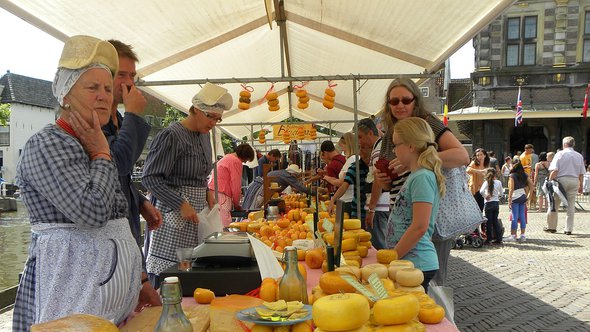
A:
(172, 115)
(4, 114)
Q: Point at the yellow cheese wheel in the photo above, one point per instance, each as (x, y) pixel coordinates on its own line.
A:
(431, 313)
(304, 99)
(397, 265)
(243, 106)
(328, 104)
(352, 270)
(302, 105)
(350, 235)
(350, 224)
(332, 283)
(272, 95)
(354, 260)
(369, 269)
(363, 251)
(245, 94)
(386, 256)
(412, 326)
(366, 244)
(365, 236)
(301, 93)
(363, 328)
(409, 277)
(351, 253)
(330, 92)
(395, 310)
(274, 108)
(348, 244)
(418, 288)
(77, 322)
(341, 312)
(329, 98)
(273, 102)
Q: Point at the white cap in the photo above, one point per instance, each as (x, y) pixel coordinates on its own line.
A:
(171, 280)
(293, 169)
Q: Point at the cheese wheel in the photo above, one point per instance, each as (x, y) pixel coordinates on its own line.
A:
(409, 277)
(329, 98)
(340, 312)
(301, 93)
(397, 265)
(431, 313)
(304, 99)
(386, 256)
(77, 322)
(352, 270)
(245, 94)
(330, 92)
(274, 108)
(350, 235)
(369, 269)
(302, 105)
(351, 253)
(396, 310)
(328, 104)
(273, 102)
(348, 244)
(332, 283)
(272, 95)
(418, 288)
(363, 251)
(364, 236)
(354, 261)
(367, 244)
(350, 224)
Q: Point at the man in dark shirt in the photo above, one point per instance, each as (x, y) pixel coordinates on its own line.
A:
(272, 158)
(127, 136)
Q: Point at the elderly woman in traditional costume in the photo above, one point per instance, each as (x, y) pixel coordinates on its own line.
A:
(82, 256)
(175, 172)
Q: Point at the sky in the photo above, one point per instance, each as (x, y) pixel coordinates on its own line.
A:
(31, 52)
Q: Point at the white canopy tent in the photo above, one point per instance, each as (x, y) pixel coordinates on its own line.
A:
(217, 40)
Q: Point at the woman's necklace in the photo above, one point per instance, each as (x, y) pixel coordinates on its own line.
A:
(66, 126)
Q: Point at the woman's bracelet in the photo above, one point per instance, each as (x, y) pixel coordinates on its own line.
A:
(371, 211)
(107, 155)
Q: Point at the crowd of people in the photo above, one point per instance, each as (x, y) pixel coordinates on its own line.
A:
(75, 180)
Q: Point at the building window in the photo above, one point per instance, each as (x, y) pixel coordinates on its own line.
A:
(521, 41)
(586, 49)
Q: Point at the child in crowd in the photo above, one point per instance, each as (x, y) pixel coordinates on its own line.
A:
(411, 222)
(491, 190)
(519, 185)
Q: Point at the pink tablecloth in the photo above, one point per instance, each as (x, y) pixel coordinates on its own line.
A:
(313, 278)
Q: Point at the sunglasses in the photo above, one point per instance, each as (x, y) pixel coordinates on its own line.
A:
(405, 100)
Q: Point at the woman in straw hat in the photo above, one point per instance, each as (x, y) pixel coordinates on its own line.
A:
(175, 172)
(82, 257)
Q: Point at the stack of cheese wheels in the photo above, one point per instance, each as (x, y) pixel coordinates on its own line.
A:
(355, 242)
(286, 137)
(262, 137)
(273, 101)
(340, 312)
(303, 99)
(300, 133)
(244, 103)
(313, 134)
(409, 279)
(329, 99)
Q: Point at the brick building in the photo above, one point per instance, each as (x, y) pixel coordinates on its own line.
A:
(543, 46)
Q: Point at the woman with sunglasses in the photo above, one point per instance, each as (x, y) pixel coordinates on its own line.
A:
(175, 172)
(403, 99)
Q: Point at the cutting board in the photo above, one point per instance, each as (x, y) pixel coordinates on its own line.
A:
(147, 319)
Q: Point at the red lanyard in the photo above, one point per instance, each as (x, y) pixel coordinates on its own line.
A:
(66, 126)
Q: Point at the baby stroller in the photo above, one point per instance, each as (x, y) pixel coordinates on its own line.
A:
(475, 239)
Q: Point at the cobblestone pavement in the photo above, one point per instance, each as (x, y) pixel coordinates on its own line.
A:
(542, 284)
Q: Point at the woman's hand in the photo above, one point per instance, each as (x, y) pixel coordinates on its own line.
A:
(152, 216)
(331, 206)
(397, 167)
(188, 213)
(369, 219)
(382, 179)
(91, 136)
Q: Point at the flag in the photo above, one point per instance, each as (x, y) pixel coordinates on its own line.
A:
(518, 118)
(585, 107)
(446, 116)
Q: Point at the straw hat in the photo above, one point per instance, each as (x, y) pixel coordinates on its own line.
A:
(293, 169)
(213, 98)
(81, 51)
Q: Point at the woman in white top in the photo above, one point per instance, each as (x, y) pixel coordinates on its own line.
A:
(506, 170)
(491, 190)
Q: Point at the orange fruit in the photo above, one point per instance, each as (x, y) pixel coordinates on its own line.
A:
(268, 290)
(203, 295)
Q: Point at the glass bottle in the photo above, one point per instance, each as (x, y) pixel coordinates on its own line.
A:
(292, 286)
(173, 318)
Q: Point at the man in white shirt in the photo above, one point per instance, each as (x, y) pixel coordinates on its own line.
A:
(567, 168)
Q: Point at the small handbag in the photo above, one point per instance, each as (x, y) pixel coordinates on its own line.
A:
(458, 212)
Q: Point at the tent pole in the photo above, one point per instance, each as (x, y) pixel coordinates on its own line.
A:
(357, 148)
(215, 165)
(285, 79)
